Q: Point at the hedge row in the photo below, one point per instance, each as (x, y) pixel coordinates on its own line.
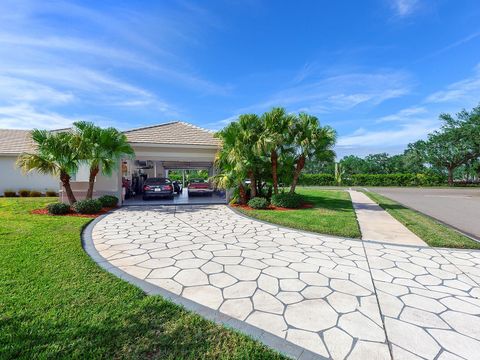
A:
(374, 180)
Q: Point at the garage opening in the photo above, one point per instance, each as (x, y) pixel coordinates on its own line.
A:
(153, 182)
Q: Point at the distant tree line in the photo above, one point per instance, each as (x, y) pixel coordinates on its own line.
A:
(453, 151)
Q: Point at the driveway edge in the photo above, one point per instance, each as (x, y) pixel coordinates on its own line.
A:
(277, 343)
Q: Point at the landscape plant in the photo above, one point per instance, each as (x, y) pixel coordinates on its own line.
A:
(58, 208)
(9, 193)
(56, 154)
(87, 206)
(108, 200)
(258, 203)
(101, 149)
(34, 193)
(24, 193)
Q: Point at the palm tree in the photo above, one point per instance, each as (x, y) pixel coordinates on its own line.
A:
(310, 140)
(56, 154)
(100, 149)
(230, 160)
(277, 123)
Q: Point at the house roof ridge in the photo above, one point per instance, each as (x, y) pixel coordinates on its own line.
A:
(151, 126)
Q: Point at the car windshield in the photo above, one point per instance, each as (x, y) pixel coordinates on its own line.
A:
(197, 181)
(157, 181)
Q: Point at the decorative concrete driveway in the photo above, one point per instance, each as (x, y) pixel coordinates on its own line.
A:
(307, 295)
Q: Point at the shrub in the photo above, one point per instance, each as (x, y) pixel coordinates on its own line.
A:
(58, 208)
(258, 203)
(35, 193)
(108, 200)
(317, 180)
(51, 193)
(9, 193)
(287, 200)
(24, 193)
(87, 206)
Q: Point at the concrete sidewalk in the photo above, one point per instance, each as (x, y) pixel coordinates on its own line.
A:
(378, 225)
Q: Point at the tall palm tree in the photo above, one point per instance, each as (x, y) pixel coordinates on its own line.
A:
(273, 140)
(310, 140)
(230, 160)
(102, 149)
(56, 154)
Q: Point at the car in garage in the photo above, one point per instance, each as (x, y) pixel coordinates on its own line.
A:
(157, 187)
(199, 187)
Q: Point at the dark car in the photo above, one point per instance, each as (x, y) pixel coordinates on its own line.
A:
(157, 187)
(199, 187)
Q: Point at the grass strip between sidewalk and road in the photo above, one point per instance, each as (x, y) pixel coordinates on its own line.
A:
(56, 303)
(332, 214)
(433, 232)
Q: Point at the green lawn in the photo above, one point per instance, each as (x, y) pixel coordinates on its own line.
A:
(55, 302)
(332, 214)
(429, 230)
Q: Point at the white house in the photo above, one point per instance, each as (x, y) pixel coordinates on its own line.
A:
(158, 149)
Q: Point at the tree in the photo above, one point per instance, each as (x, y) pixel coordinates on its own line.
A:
(456, 143)
(56, 154)
(274, 137)
(353, 165)
(310, 140)
(102, 149)
(230, 159)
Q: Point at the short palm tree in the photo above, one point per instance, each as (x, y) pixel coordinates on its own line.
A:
(272, 141)
(310, 140)
(102, 149)
(56, 154)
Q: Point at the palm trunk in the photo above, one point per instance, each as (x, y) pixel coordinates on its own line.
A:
(243, 193)
(296, 174)
(274, 161)
(450, 176)
(65, 179)
(91, 181)
(253, 184)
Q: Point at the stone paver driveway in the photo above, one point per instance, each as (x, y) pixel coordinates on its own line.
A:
(336, 298)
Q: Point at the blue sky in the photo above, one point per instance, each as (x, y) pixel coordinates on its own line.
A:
(378, 71)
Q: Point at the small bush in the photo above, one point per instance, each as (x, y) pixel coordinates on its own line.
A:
(58, 208)
(35, 193)
(287, 200)
(87, 206)
(317, 180)
(9, 193)
(108, 200)
(258, 203)
(24, 193)
(51, 193)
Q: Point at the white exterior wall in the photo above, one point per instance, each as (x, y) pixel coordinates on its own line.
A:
(12, 178)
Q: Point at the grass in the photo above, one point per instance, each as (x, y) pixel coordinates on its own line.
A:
(55, 302)
(332, 213)
(429, 230)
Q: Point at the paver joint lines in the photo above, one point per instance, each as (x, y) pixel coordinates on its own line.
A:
(315, 291)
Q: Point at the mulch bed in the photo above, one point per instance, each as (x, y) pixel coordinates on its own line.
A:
(271, 207)
(72, 213)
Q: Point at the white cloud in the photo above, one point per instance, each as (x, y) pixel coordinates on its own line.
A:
(340, 92)
(404, 7)
(25, 116)
(404, 114)
(403, 135)
(466, 91)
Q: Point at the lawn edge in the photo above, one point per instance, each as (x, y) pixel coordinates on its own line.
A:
(440, 222)
(276, 343)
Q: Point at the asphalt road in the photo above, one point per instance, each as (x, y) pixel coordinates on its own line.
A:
(457, 207)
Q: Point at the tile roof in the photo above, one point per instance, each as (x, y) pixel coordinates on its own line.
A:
(175, 133)
(15, 141)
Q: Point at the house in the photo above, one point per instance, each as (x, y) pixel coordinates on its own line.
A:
(158, 149)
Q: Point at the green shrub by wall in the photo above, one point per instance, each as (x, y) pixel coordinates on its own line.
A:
(374, 180)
